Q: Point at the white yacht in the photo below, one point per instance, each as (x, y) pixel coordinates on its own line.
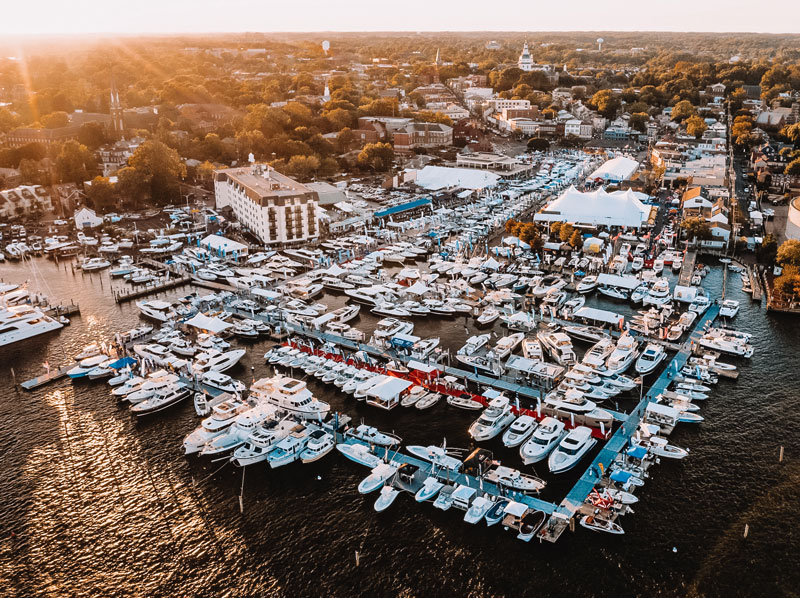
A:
(389, 327)
(659, 293)
(474, 344)
(623, 355)
(242, 428)
(729, 308)
(220, 381)
(507, 344)
(586, 285)
(93, 264)
(163, 399)
(156, 309)
(652, 355)
(437, 456)
(380, 473)
(261, 441)
(519, 431)
(291, 395)
(372, 435)
(21, 322)
(493, 420)
(571, 449)
(222, 415)
(532, 349)
(559, 346)
(292, 447)
(548, 434)
(319, 444)
(213, 360)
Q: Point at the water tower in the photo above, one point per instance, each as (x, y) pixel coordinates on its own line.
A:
(599, 44)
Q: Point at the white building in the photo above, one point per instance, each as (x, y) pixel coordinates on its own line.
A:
(86, 218)
(276, 209)
(525, 61)
(500, 104)
(455, 112)
(578, 128)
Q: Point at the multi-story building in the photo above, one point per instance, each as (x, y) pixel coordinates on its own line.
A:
(275, 208)
(114, 156)
(578, 128)
(422, 135)
(24, 199)
(500, 104)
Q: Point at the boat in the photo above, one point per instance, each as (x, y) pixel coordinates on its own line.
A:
(413, 394)
(386, 308)
(377, 478)
(514, 479)
(21, 322)
(507, 344)
(214, 379)
(163, 399)
(571, 449)
(589, 334)
(445, 499)
(359, 453)
(547, 435)
(700, 304)
(93, 264)
(658, 294)
(661, 448)
(488, 316)
(262, 441)
(532, 349)
(430, 488)
(222, 416)
(729, 308)
(290, 395)
(291, 448)
(652, 355)
(496, 512)
(86, 365)
(478, 509)
(320, 443)
(372, 436)
(613, 292)
(519, 431)
(586, 285)
(437, 456)
(428, 401)
(474, 344)
(385, 498)
(597, 524)
(463, 402)
(623, 355)
(156, 309)
(637, 263)
(530, 523)
(493, 420)
(559, 346)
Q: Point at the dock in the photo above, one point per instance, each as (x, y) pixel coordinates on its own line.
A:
(61, 309)
(149, 289)
(575, 498)
(687, 270)
(215, 286)
(51, 376)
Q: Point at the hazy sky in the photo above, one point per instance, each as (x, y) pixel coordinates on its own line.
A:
(131, 16)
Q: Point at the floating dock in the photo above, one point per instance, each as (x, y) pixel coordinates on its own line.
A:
(149, 289)
(51, 376)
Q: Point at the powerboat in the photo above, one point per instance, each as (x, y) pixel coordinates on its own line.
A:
(530, 523)
(729, 308)
(377, 478)
(320, 443)
(430, 488)
(222, 416)
(93, 264)
(507, 344)
(559, 346)
(478, 509)
(213, 360)
(519, 431)
(496, 512)
(437, 456)
(572, 448)
(548, 434)
(463, 403)
(261, 441)
(385, 498)
(623, 355)
(359, 453)
(586, 285)
(658, 294)
(652, 355)
(372, 436)
(242, 428)
(86, 365)
(214, 379)
(597, 524)
(172, 395)
(156, 309)
(474, 344)
(21, 322)
(493, 420)
(488, 316)
(290, 448)
(290, 395)
(512, 478)
(445, 499)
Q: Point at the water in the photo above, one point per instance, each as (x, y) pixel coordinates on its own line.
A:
(95, 503)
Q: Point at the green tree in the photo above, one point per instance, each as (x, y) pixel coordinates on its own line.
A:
(101, 193)
(131, 186)
(538, 144)
(696, 228)
(29, 171)
(789, 253)
(376, 156)
(638, 121)
(92, 135)
(768, 250)
(74, 162)
(161, 168)
(696, 126)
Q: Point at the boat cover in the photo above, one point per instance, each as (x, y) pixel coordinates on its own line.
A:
(637, 452)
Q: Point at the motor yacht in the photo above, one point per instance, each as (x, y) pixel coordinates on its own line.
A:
(572, 448)
(93, 264)
(700, 304)
(559, 346)
(514, 479)
(586, 285)
(478, 509)
(389, 327)
(493, 420)
(488, 316)
(222, 416)
(658, 294)
(359, 453)
(623, 355)
(290, 395)
(156, 309)
(86, 365)
(223, 382)
(437, 456)
(547, 435)
(496, 512)
(474, 344)
(430, 488)
(519, 431)
(292, 447)
(386, 308)
(242, 428)
(652, 355)
(21, 322)
(319, 444)
(385, 498)
(637, 263)
(729, 308)
(598, 524)
(373, 436)
(162, 399)
(217, 361)
(262, 441)
(613, 292)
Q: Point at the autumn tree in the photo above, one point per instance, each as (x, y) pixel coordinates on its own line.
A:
(160, 170)
(789, 253)
(683, 110)
(303, 167)
(555, 228)
(696, 126)
(565, 234)
(376, 156)
(101, 193)
(638, 121)
(74, 162)
(576, 239)
(606, 102)
(55, 120)
(696, 228)
(131, 187)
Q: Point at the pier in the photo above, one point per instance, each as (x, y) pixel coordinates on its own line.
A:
(149, 289)
(575, 498)
(687, 270)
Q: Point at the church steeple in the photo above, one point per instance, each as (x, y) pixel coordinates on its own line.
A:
(117, 122)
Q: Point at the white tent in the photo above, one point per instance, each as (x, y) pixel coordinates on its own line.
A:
(617, 169)
(442, 177)
(491, 264)
(596, 208)
(335, 270)
(217, 244)
(418, 288)
(203, 322)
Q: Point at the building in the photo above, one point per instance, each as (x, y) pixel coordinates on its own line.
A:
(47, 137)
(10, 177)
(207, 117)
(86, 218)
(114, 156)
(378, 128)
(615, 170)
(455, 112)
(525, 61)
(422, 135)
(577, 128)
(500, 104)
(23, 199)
(793, 220)
(273, 207)
(497, 163)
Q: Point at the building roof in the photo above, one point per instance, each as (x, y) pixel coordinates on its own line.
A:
(596, 208)
(403, 207)
(442, 177)
(262, 182)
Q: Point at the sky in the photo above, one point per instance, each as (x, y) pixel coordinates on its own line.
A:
(198, 16)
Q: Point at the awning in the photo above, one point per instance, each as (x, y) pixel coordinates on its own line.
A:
(121, 363)
(615, 280)
(621, 476)
(203, 322)
(598, 315)
(418, 288)
(265, 294)
(517, 509)
(421, 367)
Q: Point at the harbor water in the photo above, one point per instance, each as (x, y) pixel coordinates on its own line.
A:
(95, 503)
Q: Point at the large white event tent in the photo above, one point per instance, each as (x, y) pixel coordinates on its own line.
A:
(615, 170)
(434, 178)
(596, 208)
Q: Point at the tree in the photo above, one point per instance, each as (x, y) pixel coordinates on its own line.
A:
(788, 283)
(793, 167)
(303, 167)
(376, 156)
(161, 168)
(205, 171)
(696, 126)
(696, 228)
(29, 171)
(74, 162)
(789, 253)
(131, 186)
(638, 121)
(92, 135)
(768, 250)
(606, 102)
(509, 225)
(555, 228)
(101, 193)
(576, 240)
(345, 140)
(683, 110)
(565, 234)
(8, 120)
(538, 144)
(55, 120)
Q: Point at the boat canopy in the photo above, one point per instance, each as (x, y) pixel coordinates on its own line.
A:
(422, 367)
(121, 363)
(265, 294)
(621, 476)
(517, 509)
(203, 322)
(464, 493)
(637, 452)
(404, 340)
(418, 288)
(598, 315)
(334, 270)
(389, 388)
(616, 280)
